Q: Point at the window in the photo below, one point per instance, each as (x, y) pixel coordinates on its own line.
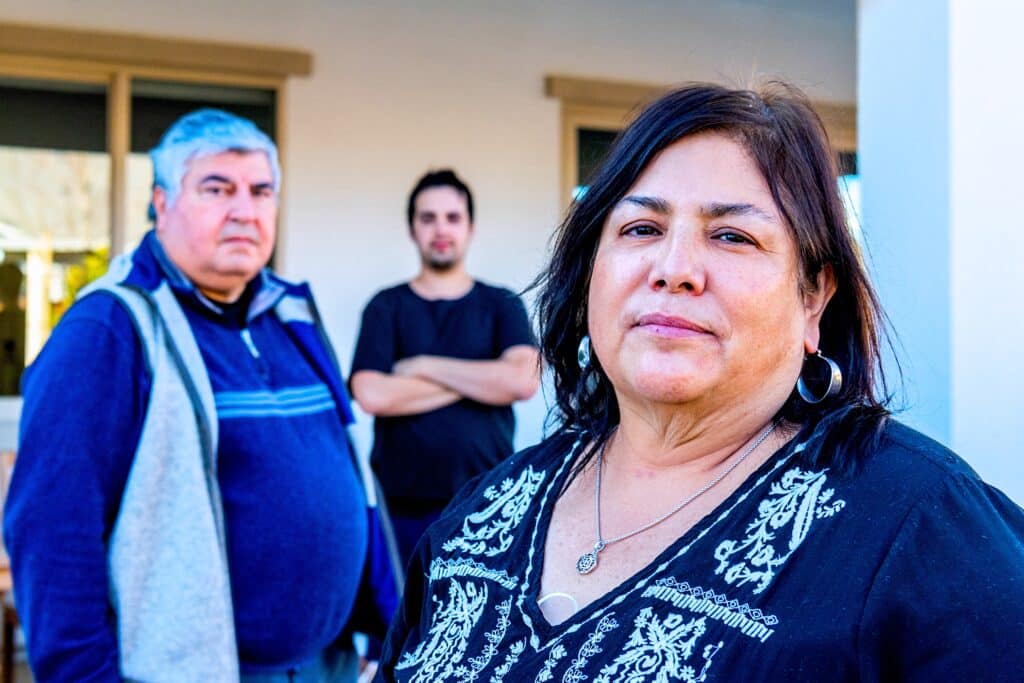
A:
(54, 209)
(80, 111)
(592, 145)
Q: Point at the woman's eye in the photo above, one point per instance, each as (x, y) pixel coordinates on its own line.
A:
(642, 230)
(732, 237)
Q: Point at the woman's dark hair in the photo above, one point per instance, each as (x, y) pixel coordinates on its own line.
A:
(783, 135)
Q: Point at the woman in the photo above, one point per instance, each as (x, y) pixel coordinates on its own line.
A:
(726, 498)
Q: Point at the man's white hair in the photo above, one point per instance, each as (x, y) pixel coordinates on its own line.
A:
(202, 133)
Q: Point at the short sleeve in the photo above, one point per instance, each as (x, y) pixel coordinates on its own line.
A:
(512, 324)
(947, 603)
(375, 347)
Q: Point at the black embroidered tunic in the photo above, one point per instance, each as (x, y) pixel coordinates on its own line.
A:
(911, 568)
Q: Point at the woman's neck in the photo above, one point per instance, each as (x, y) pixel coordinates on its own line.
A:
(652, 440)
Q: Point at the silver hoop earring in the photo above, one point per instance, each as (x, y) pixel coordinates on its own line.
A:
(583, 353)
(817, 377)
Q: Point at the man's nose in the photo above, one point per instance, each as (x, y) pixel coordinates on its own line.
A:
(243, 207)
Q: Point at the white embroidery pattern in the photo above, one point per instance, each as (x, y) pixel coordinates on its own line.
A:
(508, 506)
(750, 621)
(574, 674)
(511, 658)
(798, 498)
(493, 639)
(442, 650)
(658, 650)
(441, 568)
(558, 651)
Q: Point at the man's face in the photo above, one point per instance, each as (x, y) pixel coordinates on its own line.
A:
(220, 230)
(441, 227)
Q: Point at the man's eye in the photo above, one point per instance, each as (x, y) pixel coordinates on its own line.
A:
(214, 190)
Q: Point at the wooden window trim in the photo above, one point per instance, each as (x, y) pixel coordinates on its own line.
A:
(143, 51)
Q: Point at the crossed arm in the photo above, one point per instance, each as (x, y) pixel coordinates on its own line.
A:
(423, 383)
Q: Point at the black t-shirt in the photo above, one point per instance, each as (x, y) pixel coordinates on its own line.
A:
(426, 458)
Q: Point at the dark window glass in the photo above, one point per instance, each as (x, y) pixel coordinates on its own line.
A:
(591, 147)
(158, 104)
(53, 115)
(847, 162)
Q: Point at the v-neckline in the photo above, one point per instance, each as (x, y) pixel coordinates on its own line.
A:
(543, 633)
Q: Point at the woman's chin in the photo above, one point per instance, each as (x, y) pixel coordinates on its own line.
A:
(669, 388)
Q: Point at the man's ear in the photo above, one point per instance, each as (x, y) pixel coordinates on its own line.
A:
(815, 303)
(159, 201)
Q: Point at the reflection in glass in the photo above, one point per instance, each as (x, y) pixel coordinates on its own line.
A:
(139, 171)
(54, 238)
(849, 191)
(54, 208)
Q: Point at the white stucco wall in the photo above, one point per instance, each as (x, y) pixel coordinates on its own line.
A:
(903, 129)
(987, 244)
(940, 148)
(399, 87)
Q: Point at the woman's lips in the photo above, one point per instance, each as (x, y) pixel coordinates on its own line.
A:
(664, 325)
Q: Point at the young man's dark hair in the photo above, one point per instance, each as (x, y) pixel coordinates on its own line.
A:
(442, 178)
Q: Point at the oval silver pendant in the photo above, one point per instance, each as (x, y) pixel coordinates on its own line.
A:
(587, 562)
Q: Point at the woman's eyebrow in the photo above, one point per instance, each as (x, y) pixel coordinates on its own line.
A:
(719, 209)
(656, 204)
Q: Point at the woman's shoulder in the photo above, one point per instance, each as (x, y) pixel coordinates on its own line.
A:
(904, 451)
(910, 466)
(950, 583)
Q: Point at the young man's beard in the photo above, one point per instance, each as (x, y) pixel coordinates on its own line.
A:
(440, 264)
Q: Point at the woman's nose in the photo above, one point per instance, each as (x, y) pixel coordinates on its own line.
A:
(678, 265)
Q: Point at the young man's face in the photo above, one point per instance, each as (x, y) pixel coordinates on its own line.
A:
(220, 230)
(441, 227)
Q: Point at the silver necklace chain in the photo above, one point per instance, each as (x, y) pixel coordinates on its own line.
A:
(588, 561)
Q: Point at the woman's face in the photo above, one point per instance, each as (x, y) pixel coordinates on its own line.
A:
(695, 291)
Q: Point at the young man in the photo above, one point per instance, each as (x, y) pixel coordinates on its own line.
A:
(185, 506)
(439, 362)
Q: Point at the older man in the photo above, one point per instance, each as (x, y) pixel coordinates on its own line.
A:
(185, 506)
